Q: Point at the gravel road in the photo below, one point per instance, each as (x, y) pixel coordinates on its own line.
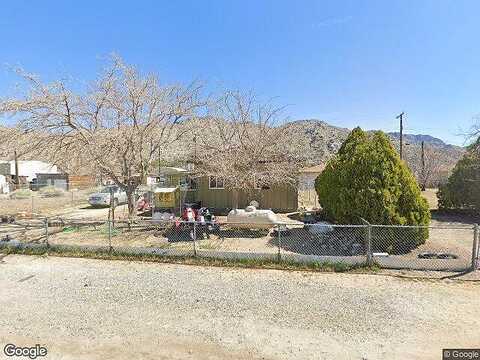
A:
(93, 309)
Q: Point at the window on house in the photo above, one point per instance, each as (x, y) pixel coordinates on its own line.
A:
(215, 182)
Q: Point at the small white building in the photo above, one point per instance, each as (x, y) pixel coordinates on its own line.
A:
(4, 185)
(30, 168)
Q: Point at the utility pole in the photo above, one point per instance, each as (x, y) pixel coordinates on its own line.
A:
(17, 177)
(159, 161)
(401, 133)
(194, 149)
(423, 166)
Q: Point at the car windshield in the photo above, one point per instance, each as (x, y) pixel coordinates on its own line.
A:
(107, 189)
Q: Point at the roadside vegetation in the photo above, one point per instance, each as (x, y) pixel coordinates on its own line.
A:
(191, 260)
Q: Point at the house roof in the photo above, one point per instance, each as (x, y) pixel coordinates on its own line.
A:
(169, 170)
(317, 169)
(165, 189)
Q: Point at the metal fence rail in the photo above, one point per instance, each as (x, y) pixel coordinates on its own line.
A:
(449, 248)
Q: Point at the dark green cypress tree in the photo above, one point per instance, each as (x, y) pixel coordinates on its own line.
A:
(367, 179)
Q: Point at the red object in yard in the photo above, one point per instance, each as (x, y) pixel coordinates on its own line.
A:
(189, 214)
(143, 204)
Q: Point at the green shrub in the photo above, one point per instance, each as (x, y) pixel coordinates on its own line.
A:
(21, 194)
(367, 179)
(462, 189)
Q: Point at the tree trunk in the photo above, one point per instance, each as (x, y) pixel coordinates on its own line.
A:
(131, 202)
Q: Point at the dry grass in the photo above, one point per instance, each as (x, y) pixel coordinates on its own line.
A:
(39, 203)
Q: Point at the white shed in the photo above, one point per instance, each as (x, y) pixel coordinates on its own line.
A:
(30, 168)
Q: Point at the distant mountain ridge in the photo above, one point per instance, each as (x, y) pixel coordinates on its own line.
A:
(316, 142)
(418, 138)
(323, 140)
(311, 141)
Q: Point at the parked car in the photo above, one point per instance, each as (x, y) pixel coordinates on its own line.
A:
(102, 198)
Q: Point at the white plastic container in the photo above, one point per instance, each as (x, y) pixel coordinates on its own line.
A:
(252, 218)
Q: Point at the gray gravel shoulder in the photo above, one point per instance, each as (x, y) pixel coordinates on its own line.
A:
(88, 309)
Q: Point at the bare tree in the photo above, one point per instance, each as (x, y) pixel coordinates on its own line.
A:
(434, 168)
(115, 126)
(243, 144)
(14, 139)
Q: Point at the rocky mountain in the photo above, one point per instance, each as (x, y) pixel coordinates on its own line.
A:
(417, 139)
(315, 140)
(319, 141)
(324, 140)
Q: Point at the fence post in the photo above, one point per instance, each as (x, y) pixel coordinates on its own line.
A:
(194, 238)
(368, 244)
(368, 241)
(279, 255)
(109, 236)
(475, 247)
(46, 232)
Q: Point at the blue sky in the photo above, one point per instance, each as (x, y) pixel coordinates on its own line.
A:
(346, 62)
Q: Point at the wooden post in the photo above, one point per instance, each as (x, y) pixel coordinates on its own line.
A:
(423, 185)
(400, 116)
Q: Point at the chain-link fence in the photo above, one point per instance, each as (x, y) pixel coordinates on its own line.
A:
(429, 248)
(46, 200)
(450, 248)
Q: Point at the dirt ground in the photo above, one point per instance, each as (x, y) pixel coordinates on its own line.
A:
(448, 234)
(93, 309)
(78, 200)
(431, 196)
(38, 204)
(451, 234)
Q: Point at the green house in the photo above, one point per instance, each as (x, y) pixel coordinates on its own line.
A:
(210, 191)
